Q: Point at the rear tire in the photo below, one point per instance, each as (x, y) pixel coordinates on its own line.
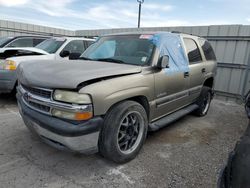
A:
(124, 132)
(204, 101)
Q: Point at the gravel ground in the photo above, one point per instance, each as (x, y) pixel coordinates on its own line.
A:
(189, 153)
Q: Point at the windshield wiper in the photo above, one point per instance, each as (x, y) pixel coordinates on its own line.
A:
(110, 60)
(85, 58)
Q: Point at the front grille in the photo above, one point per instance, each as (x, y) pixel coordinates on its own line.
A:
(41, 100)
(39, 107)
(39, 92)
(34, 98)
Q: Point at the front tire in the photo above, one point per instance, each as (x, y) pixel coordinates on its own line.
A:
(124, 132)
(204, 101)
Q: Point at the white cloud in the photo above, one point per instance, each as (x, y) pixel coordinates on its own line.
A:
(53, 8)
(111, 14)
(12, 3)
(248, 19)
(153, 6)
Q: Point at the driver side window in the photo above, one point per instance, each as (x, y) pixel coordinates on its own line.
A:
(75, 46)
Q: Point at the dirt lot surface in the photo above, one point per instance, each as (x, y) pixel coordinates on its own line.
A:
(189, 153)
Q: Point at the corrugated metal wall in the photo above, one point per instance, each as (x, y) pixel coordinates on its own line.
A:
(9, 28)
(231, 44)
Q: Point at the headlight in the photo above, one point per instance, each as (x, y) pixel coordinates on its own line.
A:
(9, 65)
(71, 97)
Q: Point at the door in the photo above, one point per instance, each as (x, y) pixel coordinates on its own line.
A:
(170, 92)
(196, 69)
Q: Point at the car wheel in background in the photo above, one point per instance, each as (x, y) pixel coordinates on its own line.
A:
(204, 101)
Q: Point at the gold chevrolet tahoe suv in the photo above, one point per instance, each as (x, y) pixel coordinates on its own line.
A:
(121, 87)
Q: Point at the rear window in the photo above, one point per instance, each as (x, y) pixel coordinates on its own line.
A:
(207, 49)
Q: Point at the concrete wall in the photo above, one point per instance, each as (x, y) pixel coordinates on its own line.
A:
(9, 28)
(231, 44)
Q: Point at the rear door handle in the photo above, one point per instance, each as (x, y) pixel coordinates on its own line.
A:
(203, 70)
(186, 74)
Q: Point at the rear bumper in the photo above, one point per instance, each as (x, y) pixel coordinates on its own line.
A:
(63, 135)
(7, 81)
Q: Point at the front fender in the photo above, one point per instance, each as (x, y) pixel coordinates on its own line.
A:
(109, 92)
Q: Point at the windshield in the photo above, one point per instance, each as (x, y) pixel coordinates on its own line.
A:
(51, 45)
(129, 49)
(3, 40)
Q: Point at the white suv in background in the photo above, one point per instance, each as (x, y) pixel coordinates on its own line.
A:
(50, 49)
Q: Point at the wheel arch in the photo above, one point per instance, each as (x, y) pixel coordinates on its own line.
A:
(209, 82)
(141, 99)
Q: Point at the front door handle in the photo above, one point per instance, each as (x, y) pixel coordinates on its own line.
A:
(186, 74)
(203, 70)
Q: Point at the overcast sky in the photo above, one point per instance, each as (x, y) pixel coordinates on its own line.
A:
(96, 14)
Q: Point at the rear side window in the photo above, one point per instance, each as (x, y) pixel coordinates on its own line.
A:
(22, 42)
(193, 51)
(207, 49)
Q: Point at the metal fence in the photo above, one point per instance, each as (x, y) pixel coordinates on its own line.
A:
(9, 28)
(231, 44)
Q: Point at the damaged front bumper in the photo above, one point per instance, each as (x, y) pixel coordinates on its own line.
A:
(62, 134)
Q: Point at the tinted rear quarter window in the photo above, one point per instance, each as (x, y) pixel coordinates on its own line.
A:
(207, 49)
(193, 51)
(21, 42)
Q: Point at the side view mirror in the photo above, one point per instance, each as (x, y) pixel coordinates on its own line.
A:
(163, 62)
(74, 56)
(64, 53)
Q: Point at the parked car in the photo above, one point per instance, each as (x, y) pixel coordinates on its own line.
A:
(21, 41)
(17, 52)
(236, 172)
(124, 86)
(53, 48)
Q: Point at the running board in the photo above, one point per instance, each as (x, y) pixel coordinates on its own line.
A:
(165, 121)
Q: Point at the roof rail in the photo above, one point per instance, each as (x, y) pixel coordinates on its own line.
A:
(178, 32)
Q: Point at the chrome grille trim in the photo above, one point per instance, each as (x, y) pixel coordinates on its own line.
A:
(42, 92)
(49, 102)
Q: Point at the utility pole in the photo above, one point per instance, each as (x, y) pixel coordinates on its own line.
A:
(139, 13)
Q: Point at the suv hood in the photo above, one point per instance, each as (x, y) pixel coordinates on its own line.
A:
(69, 74)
